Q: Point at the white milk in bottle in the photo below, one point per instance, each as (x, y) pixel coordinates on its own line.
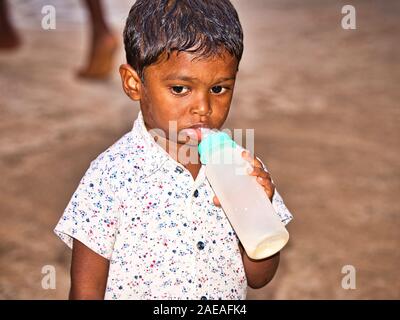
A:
(242, 198)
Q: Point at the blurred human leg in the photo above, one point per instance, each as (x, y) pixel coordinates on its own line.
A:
(103, 44)
(9, 38)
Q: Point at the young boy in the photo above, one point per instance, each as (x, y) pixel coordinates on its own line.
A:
(143, 224)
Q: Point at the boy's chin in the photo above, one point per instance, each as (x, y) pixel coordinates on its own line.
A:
(188, 141)
(189, 137)
(179, 140)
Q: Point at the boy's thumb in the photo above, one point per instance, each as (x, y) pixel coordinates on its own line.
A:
(216, 201)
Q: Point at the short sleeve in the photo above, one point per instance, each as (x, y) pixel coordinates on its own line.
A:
(280, 208)
(278, 204)
(91, 215)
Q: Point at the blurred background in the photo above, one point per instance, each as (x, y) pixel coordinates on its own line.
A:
(324, 102)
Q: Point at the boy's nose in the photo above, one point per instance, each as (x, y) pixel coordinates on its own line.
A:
(202, 107)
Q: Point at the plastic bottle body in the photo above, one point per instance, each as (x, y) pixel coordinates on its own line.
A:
(245, 203)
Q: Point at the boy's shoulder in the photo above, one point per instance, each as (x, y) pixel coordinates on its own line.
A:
(121, 158)
(133, 156)
(115, 154)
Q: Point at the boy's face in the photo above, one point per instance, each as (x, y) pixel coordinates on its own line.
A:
(192, 92)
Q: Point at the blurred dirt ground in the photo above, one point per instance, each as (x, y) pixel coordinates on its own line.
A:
(325, 105)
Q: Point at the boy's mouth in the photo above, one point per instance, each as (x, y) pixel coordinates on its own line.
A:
(194, 132)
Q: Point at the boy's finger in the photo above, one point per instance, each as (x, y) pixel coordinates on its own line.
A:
(259, 172)
(270, 192)
(265, 182)
(253, 161)
(216, 201)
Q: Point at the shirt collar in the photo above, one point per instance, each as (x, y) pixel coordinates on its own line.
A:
(153, 155)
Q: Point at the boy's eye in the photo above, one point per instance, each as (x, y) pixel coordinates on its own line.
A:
(218, 89)
(179, 89)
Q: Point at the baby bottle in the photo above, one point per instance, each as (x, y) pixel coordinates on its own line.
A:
(242, 198)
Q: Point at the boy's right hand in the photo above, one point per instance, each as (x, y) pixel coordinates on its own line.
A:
(263, 176)
(216, 201)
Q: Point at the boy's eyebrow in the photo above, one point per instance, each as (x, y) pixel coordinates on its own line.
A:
(193, 79)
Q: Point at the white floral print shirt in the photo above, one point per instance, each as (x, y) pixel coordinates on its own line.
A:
(165, 239)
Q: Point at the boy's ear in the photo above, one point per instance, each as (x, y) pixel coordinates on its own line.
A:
(131, 82)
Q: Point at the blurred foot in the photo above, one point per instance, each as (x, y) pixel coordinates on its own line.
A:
(101, 58)
(9, 39)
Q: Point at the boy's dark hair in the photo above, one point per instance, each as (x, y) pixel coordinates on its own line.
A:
(204, 27)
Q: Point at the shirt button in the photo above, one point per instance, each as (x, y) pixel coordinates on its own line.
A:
(203, 298)
(178, 169)
(196, 193)
(200, 245)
